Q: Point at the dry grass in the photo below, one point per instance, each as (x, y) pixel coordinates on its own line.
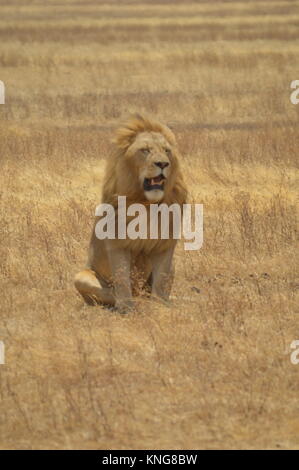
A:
(214, 370)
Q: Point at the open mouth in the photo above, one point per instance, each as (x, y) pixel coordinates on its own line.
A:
(154, 183)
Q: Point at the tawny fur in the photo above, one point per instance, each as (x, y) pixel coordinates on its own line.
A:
(97, 283)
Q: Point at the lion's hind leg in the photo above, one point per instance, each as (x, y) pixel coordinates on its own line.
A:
(89, 286)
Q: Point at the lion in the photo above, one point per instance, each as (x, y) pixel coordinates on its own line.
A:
(145, 168)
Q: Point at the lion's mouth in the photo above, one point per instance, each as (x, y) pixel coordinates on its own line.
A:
(154, 183)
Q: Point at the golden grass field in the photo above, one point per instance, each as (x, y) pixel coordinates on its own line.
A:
(213, 370)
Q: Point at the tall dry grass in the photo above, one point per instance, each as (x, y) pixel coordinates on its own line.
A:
(213, 370)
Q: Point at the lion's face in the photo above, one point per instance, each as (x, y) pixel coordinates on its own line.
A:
(151, 158)
(145, 164)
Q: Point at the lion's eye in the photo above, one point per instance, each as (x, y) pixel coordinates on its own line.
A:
(168, 151)
(145, 151)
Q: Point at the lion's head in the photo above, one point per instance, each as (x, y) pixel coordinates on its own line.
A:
(145, 166)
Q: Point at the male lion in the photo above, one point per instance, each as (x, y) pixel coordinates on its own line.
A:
(145, 169)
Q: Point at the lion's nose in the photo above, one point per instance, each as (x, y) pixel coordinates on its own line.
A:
(162, 164)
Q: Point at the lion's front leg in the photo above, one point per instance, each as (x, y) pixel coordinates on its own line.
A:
(120, 265)
(162, 274)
